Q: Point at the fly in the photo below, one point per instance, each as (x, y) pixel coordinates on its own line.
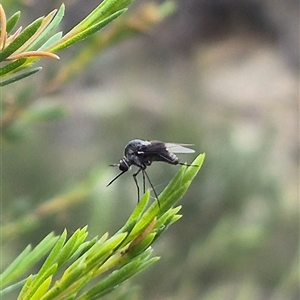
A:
(141, 154)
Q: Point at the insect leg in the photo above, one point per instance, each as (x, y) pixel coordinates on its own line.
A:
(144, 184)
(136, 182)
(187, 165)
(144, 171)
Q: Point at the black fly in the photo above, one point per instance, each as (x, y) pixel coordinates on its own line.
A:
(142, 153)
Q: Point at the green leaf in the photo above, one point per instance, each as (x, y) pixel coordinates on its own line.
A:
(141, 246)
(20, 40)
(137, 213)
(170, 195)
(176, 194)
(26, 286)
(20, 76)
(55, 38)
(41, 291)
(140, 208)
(11, 288)
(83, 248)
(172, 187)
(183, 176)
(50, 265)
(108, 8)
(85, 33)
(67, 280)
(27, 259)
(30, 290)
(12, 22)
(71, 245)
(117, 277)
(54, 254)
(111, 280)
(99, 253)
(192, 171)
(175, 219)
(72, 289)
(12, 66)
(43, 37)
(10, 273)
(105, 10)
(97, 26)
(129, 252)
(163, 220)
(142, 224)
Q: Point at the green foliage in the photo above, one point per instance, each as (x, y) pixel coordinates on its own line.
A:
(27, 259)
(12, 22)
(74, 262)
(21, 49)
(37, 40)
(75, 267)
(20, 76)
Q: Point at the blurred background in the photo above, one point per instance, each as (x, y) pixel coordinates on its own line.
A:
(222, 75)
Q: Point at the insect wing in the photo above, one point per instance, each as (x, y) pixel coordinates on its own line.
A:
(179, 148)
(155, 147)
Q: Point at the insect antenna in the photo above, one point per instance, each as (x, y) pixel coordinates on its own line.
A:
(115, 177)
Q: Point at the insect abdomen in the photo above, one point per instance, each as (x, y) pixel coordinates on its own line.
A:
(174, 158)
(167, 157)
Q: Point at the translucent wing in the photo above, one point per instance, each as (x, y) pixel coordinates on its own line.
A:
(159, 148)
(179, 148)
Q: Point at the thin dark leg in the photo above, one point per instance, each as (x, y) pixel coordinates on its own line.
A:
(136, 182)
(187, 165)
(144, 171)
(144, 184)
